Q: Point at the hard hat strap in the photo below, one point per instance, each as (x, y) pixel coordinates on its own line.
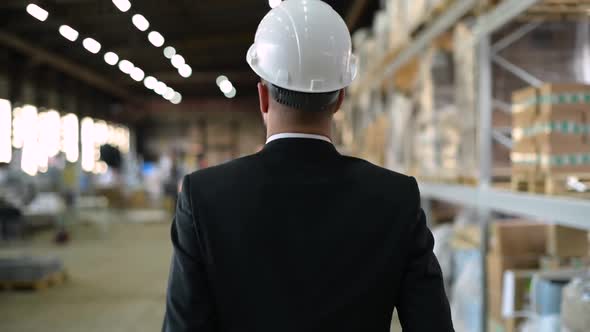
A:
(303, 100)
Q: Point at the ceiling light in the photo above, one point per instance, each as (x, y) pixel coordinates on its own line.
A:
(220, 79)
(91, 45)
(140, 22)
(161, 88)
(126, 66)
(176, 99)
(37, 12)
(232, 93)
(226, 86)
(169, 94)
(169, 52)
(68, 32)
(123, 5)
(185, 71)
(111, 58)
(177, 61)
(156, 38)
(274, 3)
(137, 74)
(150, 82)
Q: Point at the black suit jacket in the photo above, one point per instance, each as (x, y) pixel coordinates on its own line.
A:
(299, 238)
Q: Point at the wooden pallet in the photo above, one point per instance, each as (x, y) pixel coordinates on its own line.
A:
(54, 279)
(557, 10)
(550, 184)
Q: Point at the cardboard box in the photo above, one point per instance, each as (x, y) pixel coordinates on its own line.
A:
(518, 238)
(565, 241)
(497, 265)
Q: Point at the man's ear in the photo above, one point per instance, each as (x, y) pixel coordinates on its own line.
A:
(339, 101)
(263, 98)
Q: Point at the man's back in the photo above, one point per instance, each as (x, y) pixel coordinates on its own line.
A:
(300, 238)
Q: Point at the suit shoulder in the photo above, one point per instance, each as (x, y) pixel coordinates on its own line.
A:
(225, 169)
(378, 171)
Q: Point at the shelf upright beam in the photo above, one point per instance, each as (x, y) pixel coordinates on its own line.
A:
(485, 92)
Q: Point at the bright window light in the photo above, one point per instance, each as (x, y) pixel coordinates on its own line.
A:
(185, 71)
(137, 74)
(176, 99)
(30, 153)
(87, 131)
(101, 133)
(70, 137)
(111, 58)
(123, 5)
(274, 3)
(126, 66)
(17, 128)
(169, 52)
(169, 94)
(91, 45)
(37, 12)
(161, 88)
(177, 61)
(49, 133)
(232, 93)
(5, 131)
(150, 82)
(220, 79)
(156, 38)
(68, 32)
(140, 22)
(226, 86)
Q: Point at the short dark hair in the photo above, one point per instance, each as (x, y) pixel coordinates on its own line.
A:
(305, 101)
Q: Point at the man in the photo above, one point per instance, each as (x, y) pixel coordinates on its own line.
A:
(298, 237)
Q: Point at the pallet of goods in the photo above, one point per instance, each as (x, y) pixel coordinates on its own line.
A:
(30, 273)
(551, 133)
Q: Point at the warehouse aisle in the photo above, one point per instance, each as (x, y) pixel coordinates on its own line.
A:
(117, 282)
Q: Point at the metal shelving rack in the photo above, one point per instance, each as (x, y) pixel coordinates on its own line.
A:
(486, 199)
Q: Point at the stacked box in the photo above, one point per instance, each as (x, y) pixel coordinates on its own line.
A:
(551, 129)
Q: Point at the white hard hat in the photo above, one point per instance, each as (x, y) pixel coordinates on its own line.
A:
(304, 46)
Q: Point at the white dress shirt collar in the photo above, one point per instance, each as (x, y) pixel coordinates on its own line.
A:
(297, 135)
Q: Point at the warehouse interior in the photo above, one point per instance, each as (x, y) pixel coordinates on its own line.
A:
(106, 104)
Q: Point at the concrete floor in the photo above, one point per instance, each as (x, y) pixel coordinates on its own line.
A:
(117, 282)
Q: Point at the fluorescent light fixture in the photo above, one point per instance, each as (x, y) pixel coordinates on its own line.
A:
(140, 22)
(169, 94)
(274, 3)
(220, 79)
(123, 5)
(169, 52)
(91, 45)
(177, 61)
(111, 58)
(70, 137)
(126, 66)
(150, 82)
(30, 153)
(87, 131)
(176, 99)
(37, 12)
(156, 38)
(232, 93)
(185, 71)
(226, 86)
(161, 88)
(5, 131)
(137, 74)
(68, 32)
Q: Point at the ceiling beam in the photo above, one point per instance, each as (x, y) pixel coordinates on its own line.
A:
(62, 64)
(357, 9)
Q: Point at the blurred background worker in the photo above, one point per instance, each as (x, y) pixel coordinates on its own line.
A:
(298, 237)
